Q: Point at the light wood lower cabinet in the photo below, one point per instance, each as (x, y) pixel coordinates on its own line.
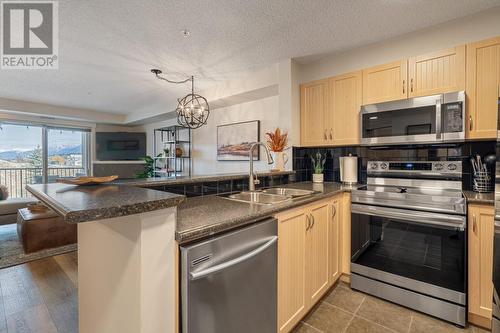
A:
(345, 236)
(480, 259)
(291, 268)
(308, 258)
(334, 239)
(317, 280)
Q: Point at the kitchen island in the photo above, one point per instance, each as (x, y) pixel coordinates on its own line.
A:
(128, 239)
(126, 255)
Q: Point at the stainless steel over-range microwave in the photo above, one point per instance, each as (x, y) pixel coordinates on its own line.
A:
(428, 119)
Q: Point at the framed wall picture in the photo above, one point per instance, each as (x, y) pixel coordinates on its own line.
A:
(234, 141)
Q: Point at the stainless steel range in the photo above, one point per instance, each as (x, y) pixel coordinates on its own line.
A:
(409, 237)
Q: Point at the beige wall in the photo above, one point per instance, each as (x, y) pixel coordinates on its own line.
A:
(253, 97)
(116, 128)
(149, 128)
(472, 28)
(205, 138)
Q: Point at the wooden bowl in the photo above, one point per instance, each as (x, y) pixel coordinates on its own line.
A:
(85, 181)
(37, 207)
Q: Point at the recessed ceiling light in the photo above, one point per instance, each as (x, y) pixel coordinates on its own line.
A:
(186, 33)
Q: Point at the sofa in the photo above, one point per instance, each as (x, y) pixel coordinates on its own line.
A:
(9, 208)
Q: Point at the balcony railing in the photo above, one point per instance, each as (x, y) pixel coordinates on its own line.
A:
(16, 179)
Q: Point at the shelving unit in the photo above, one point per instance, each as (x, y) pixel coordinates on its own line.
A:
(166, 141)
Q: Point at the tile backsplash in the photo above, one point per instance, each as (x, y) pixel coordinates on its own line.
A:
(224, 186)
(456, 151)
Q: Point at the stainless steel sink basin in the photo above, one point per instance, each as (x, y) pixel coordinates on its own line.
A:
(259, 198)
(289, 192)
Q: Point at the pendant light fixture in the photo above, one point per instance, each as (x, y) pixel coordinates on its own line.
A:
(193, 109)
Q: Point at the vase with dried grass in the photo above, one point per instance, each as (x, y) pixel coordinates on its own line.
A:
(277, 142)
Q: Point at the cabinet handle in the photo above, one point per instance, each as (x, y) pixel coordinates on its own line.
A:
(308, 222)
(470, 123)
(334, 211)
(404, 85)
(312, 219)
(411, 85)
(474, 224)
(326, 137)
(331, 134)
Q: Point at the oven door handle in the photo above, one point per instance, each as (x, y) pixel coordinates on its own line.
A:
(497, 227)
(414, 217)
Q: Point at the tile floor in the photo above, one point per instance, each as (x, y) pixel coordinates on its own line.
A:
(344, 310)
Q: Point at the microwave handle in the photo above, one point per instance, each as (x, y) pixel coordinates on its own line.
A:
(439, 124)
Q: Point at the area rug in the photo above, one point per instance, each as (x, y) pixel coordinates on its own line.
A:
(12, 253)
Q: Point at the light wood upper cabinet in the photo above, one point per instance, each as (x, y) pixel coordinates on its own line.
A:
(437, 72)
(480, 238)
(330, 107)
(334, 239)
(313, 112)
(483, 80)
(291, 268)
(317, 280)
(385, 83)
(345, 104)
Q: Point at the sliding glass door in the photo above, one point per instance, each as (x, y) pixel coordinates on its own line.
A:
(20, 157)
(33, 154)
(67, 153)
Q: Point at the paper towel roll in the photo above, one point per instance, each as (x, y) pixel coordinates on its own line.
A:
(349, 169)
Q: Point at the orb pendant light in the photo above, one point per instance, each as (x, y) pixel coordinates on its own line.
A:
(193, 109)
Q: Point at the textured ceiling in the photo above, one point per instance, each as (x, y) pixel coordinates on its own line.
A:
(107, 47)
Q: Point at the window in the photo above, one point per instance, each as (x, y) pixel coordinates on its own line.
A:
(31, 154)
(67, 153)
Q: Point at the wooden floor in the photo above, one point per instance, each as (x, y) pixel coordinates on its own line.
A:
(40, 296)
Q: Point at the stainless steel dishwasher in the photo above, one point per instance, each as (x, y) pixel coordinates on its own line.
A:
(229, 283)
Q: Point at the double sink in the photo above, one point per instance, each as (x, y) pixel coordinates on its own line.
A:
(270, 196)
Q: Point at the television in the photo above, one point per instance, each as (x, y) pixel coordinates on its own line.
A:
(120, 146)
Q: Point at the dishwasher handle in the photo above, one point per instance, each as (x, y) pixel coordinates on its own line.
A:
(232, 262)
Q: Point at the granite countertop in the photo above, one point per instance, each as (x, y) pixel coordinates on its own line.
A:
(200, 217)
(480, 198)
(160, 181)
(89, 203)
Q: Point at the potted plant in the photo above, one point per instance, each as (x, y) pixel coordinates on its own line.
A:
(318, 164)
(149, 167)
(277, 142)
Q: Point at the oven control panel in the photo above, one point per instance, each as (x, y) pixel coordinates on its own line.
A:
(415, 167)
